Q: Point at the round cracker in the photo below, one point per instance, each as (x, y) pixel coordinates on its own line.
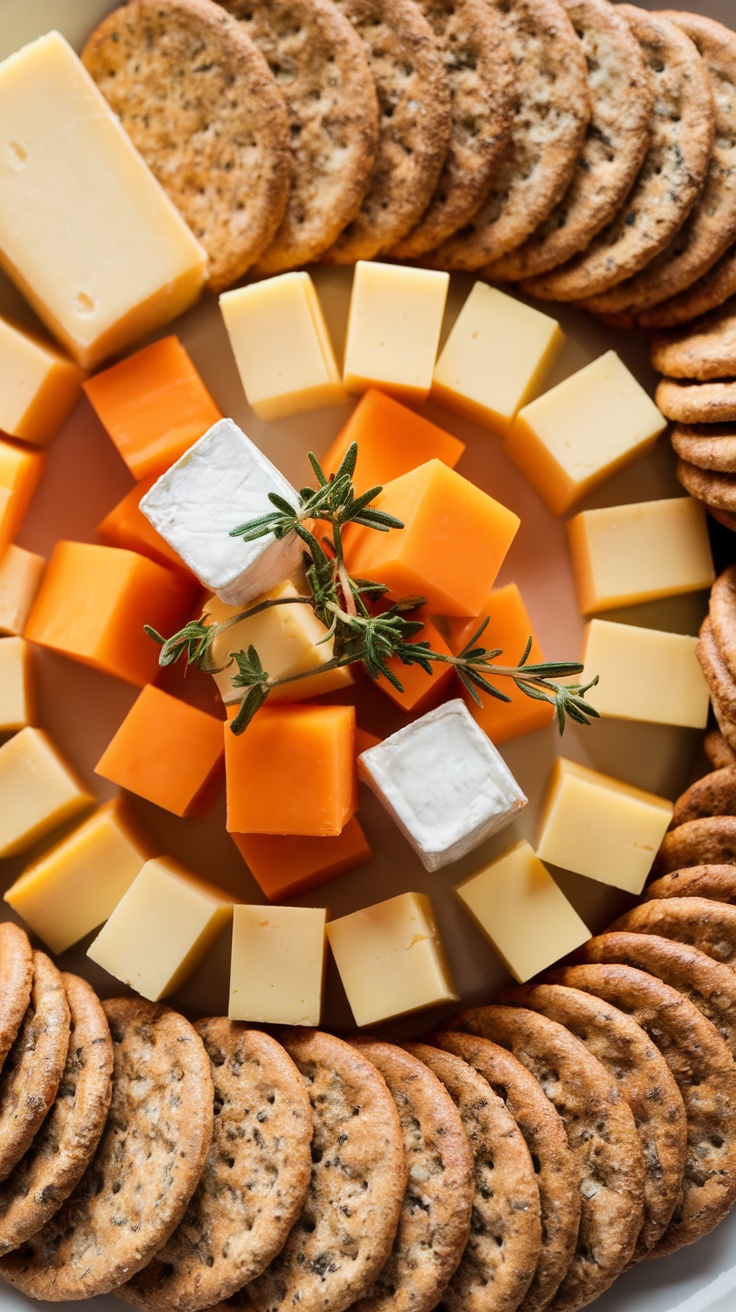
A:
(712, 794)
(199, 102)
(16, 979)
(723, 700)
(717, 749)
(710, 291)
(616, 142)
(705, 446)
(710, 841)
(716, 882)
(145, 1169)
(723, 517)
(722, 617)
(602, 1136)
(708, 486)
(704, 350)
(552, 114)
(697, 403)
(698, 921)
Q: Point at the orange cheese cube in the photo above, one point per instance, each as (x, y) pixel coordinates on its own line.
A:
(166, 751)
(292, 771)
(94, 601)
(451, 548)
(392, 440)
(509, 628)
(421, 690)
(20, 471)
(284, 865)
(39, 385)
(154, 405)
(364, 740)
(126, 526)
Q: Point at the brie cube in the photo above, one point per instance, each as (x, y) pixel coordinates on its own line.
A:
(220, 482)
(444, 783)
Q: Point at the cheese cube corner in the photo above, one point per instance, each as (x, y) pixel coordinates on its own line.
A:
(394, 328)
(39, 385)
(392, 440)
(645, 674)
(20, 474)
(17, 703)
(285, 865)
(277, 965)
(21, 572)
(38, 790)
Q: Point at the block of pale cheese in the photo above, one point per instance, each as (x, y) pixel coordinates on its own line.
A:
(444, 783)
(622, 555)
(86, 231)
(282, 346)
(38, 790)
(16, 685)
(394, 329)
(391, 959)
(21, 572)
(39, 385)
(220, 482)
(601, 827)
(277, 966)
(645, 674)
(495, 358)
(20, 472)
(74, 886)
(161, 929)
(573, 437)
(516, 903)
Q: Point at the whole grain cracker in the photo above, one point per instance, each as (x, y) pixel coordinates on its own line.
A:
(711, 841)
(670, 179)
(717, 749)
(722, 687)
(201, 105)
(716, 882)
(414, 127)
(16, 978)
(697, 403)
(552, 114)
(710, 291)
(616, 142)
(146, 1167)
(712, 794)
(703, 350)
(711, 487)
(697, 921)
(601, 1133)
(557, 1175)
(505, 1242)
(705, 446)
(254, 1183)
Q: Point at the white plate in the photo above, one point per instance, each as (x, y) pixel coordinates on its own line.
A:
(82, 709)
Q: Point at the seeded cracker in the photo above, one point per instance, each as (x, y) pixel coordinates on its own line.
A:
(708, 293)
(716, 882)
(16, 978)
(700, 922)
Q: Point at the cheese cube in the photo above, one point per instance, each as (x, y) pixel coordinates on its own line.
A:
(601, 827)
(392, 440)
(219, 483)
(71, 889)
(86, 231)
(495, 358)
(421, 690)
(20, 575)
(20, 472)
(394, 329)
(16, 690)
(516, 903)
(576, 435)
(444, 783)
(278, 964)
(39, 386)
(627, 554)
(127, 527)
(284, 865)
(161, 929)
(391, 959)
(281, 346)
(645, 675)
(38, 790)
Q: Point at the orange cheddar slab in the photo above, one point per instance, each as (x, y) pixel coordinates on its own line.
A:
(292, 772)
(39, 385)
(165, 751)
(154, 406)
(392, 440)
(420, 689)
(286, 865)
(20, 471)
(451, 548)
(509, 628)
(127, 526)
(94, 601)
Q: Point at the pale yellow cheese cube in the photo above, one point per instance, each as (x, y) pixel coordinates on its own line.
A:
(39, 385)
(518, 906)
(76, 885)
(601, 827)
(281, 346)
(20, 575)
(161, 928)
(16, 684)
(394, 329)
(495, 358)
(622, 555)
(86, 232)
(391, 959)
(38, 790)
(576, 435)
(645, 674)
(277, 967)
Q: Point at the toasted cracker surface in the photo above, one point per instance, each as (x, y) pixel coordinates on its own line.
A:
(704, 446)
(16, 978)
(710, 653)
(703, 350)
(711, 840)
(712, 794)
(717, 882)
(714, 488)
(717, 749)
(722, 617)
(697, 403)
(700, 922)
(709, 292)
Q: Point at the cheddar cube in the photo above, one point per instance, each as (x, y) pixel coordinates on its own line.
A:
(166, 751)
(281, 346)
(20, 472)
(153, 405)
(452, 545)
(20, 575)
(16, 685)
(286, 865)
(516, 903)
(39, 385)
(72, 888)
(622, 555)
(645, 675)
(495, 358)
(94, 602)
(38, 790)
(161, 929)
(601, 827)
(126, 526)
(420, 689)
(394, 328)
(391, 959)
(392, 440)
(278, 964)
(579, 433)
